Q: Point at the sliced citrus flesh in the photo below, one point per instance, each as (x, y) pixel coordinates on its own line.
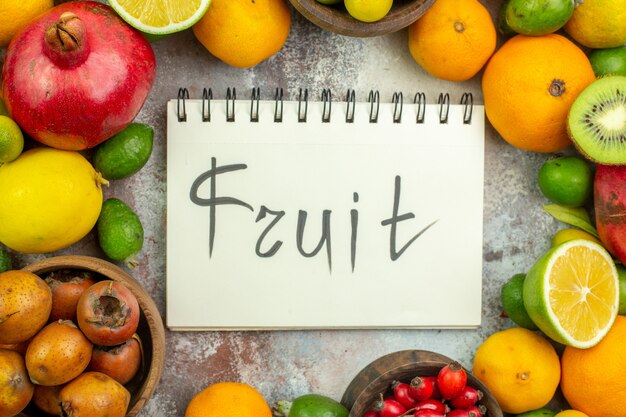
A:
(160, 16)
(572, 293)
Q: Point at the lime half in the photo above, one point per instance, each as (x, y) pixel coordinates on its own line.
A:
(572, 293)
(160, 17)
(11, 140)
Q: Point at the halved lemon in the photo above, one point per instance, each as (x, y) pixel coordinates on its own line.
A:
(160, 17)
(572, 293)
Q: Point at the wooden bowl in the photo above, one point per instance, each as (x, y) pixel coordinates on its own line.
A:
(376, 378)
(336, 18)
(150, 330)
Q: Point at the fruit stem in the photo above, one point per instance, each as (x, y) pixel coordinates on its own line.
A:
(66, 41)
(282, 408)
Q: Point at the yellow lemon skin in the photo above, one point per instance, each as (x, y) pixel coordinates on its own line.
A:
(49, 200)
(598, 24)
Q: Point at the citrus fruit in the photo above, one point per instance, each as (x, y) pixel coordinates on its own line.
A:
(571, 413)
(566, 180)
(453, 40)
(520, 368)
(232, 399)
(598, 23)
(50, 200)
(11, 140)
(568, 234)
(16, 14)
(160, 17)
(572, 293)
(528, 87)
(242, 33)
(368, 10)
(538, 17)
(593, 379)
(608, 61)
(513, 302)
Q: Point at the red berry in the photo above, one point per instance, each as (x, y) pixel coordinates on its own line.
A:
(431, 404)
(433, 380)
(451, 380)
(421, 388)
(467, 398)
(370, 413)
(460, 413)
(428, 413)
(401, 394)
(389, 407)
(478, 410)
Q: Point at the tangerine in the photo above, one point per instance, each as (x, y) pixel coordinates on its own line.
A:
(232, 399)
(529, 85)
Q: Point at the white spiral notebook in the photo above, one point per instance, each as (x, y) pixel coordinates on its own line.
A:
(324, 213)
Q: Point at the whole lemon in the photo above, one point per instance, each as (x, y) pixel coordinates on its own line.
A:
(16, 14)
(598, 23)
(520, 367)
(49, 199)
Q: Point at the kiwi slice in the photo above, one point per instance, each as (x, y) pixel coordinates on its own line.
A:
(597, 121)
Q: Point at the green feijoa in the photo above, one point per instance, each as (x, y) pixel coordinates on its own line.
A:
(124, 153)
(538, 17)
(5, 260)
(312, 405)
(609, 61)
(120, 232)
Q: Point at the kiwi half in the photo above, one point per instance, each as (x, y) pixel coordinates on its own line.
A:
(597, 121)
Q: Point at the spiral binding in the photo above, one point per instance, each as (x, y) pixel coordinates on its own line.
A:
(467, 100)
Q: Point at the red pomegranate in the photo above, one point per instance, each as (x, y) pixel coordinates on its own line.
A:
(77, 75)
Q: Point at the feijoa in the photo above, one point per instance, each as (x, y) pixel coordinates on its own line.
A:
(5, 260)
(125, 153)
(120, 232)
(538, 17)
(312, 405)
(609, 61)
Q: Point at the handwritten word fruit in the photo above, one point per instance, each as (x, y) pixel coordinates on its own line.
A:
(243, 33)
(520, 367)
(50, 200)
(592, 380)
(125, 153)
(311, 405)
(566, 180)
(512, 299)
(233, 399)
(572, 293)
(453, 40)
(11, 140)
(529, 85)
(160, 18)
(16, 390)
(610, 208)
(120, 232)
(538, 17)
(598, 23)
(368, 10)
(57, 354)
(93, 394)
(608, 61)
(25, 307)
(77, 50)
(67, 287)
(597, 121)
(120, 362)
(108, 313)
(16, 14)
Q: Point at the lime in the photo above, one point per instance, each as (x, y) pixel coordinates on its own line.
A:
(566, 180)
(503, 26)
(621, 272)
(5, 260)
(542, 412)
(125, 153)
(11, 140)
(162, 17)
(537, 17)
(572, 293)
(610, 61)
(511, 296)
(565, 235)
(120, 233)
(368, 10)
(312, 405)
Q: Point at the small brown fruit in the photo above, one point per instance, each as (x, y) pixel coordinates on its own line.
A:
(25, 307)
(94, 394)
(120, 362)
(16, 390)
(46, 398)
(67, 286)
(58, 354)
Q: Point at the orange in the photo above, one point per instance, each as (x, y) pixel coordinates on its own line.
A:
(529, 85)
(593, 379)
(228, 399)
(242, 33)
(453, 40)
(519, 367)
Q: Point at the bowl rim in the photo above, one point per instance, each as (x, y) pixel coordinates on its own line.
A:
(339, 21)
(146, 303)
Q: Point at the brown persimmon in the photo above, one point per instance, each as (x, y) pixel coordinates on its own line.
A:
(120, 362)
(67, 286)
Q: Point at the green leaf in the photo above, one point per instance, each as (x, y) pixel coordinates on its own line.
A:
(577, 217)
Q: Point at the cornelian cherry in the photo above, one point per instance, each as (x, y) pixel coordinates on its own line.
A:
(401, 394)
(421, 388)
(451, 380)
